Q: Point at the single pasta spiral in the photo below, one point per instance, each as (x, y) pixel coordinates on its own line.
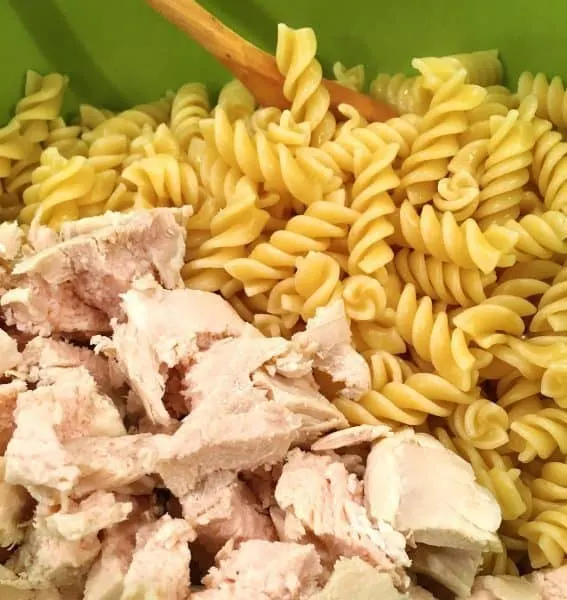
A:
(405, 94)
(130, 123)
(539, 434)
(547, 538)
(386, 367)
(66, 138)
(551, 98)
(58, 186)
(295, 57)
(552, 310)
(41, 104)
(540, 236)
(190, 105)
(275, 260)
(374, 177)
(163, 181)
(232, 229)
(549, 167)
(482, 423)
(492, 321)
(159, 110)
(352, 78)
(236, 101)
(108, 152)
(317, 282)
(483, 67)
(463, 244)
(549, 490)
(413, 399)
(91, 117)
(506, 169)
(150, 143)
(458, 194)
(21, 171)
(364, 298)
(13, 147)
(442, 280)
(518, 396)
(433, 340)
(437, 142)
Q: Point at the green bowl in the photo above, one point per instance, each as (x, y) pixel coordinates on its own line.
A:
(119, 52)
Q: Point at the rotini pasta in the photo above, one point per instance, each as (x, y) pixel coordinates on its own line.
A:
(405, 94)
(236, 101)
(549, 490)
(551, 98)
(539, 434)
(442, 280)
(190, 105)
(40, 105)
(295, 57)
(352, 78)
(482, 423)
(547, 538)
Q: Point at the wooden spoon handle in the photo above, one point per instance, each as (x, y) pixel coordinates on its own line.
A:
(256, 69)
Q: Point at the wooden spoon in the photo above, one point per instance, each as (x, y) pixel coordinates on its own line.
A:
(256, 69)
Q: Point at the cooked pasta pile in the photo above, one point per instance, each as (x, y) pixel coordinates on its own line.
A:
(443, 230)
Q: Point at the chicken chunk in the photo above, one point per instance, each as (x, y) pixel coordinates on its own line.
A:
(207, 443)
(153, 340)
(8, 401)
(46, 559)
(453, 568)
(106, 577)
(15, 509)
(74, 286)
(43, 358)
(160, 562)
(266, 570)
(352, 436)
(327, 338)
(551, 583)
(9, 354)
(403, 488)
(97, 512)
(222, 508)
(321, 499)
(504, 588)
(355, 579)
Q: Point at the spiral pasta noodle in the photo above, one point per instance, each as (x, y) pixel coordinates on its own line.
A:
(295, 57)
(539, 434)
(40, 104)
(547, 537)
(190, 105)
(482, 423)
(352, 78)
(442, 280)
(438, 140)
(405, 94)
(236, 101)
(66, 138)
(551, 97)
(549, 490)
(13, 147)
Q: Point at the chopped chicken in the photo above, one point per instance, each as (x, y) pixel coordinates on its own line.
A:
(506, 588)
(320, 498)
(404, 489)
(453, 568)
(9, 354)
(160, 563)
(8, 401)
(551, 583)
(259, 569)
(15, 505)
(106, 577)
(262, 482)
(222, 508)
(11, 239)
(327, 337)
(355, 579)
(207, 443)
(418, 593)
(42, 359)
(97, 512)
(302, 398)
(46, 559)
(153, 340)
(110, 463)
(74, 286)
(351, 437)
